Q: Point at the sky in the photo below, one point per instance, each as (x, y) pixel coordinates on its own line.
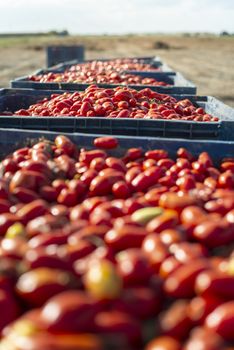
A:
(117, 16)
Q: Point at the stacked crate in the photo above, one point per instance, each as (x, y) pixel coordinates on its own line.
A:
(44, 82)
(172, 165)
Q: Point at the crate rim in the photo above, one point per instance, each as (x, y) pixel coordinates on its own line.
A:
(121, 137)
(216, 148)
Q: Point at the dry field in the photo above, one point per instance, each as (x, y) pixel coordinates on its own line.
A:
(208, 61)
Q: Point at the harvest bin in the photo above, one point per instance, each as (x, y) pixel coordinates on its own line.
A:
(67, 318)
(13, 139)
(155, 60)
(180, 85)
(143, 59)
(58, 54)
(155, 63)
(14, 99)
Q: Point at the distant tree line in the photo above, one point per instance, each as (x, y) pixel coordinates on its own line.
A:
(51, 32)
(201, 34)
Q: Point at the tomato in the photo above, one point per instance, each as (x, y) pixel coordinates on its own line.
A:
(6, 220)
(171, 236)
(9, 309)
(146, 179)
(163, 343)
(116, 164)
(31, 210)
(168, 265)
(200, 307)
(64, 143)
(128, 236)
(48, 193)
(88, 156)
(75, 312)
(102, 280)
(67, 197)
(38, 285)
(175, 321)
(132, 173)
(97, 164)
(133, 154)
(9, 165)
(88, 176)
(193, 215)
(28, 179)
(156, 154)
(107, 142)
(221, 320)
(181, 282)
(121, 190)
(168, 219)
(204, 338)
(45, 224)
(44, 340)
(133, 267)
(155, 250)
(174, 201)
(3, 190)
(226, 179)
(4, 206)
(125, 329)
(213, 233)
(215, 283)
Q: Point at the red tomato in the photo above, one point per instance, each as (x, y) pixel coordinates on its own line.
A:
(106, 142)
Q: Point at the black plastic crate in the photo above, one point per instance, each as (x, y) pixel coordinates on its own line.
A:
(14, 99)
(10, 140)
(179, 85)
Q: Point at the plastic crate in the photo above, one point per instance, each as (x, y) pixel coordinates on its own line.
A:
(180, 85)
(14, 99)
(154, 62)
(58, 54)
(13, 139)
(143, 59)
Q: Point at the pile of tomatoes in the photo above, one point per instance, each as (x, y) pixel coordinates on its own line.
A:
(119, 64)
(102, 72)
(120, 102)
(89, 76)
(104, 252)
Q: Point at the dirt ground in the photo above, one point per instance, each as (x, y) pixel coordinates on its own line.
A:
(208, 61)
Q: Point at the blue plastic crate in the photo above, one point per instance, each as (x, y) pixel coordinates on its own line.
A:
(155, 62)
(58, 54)
(143, 59)
(14, 99)
(13, 139)
(180, 85)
